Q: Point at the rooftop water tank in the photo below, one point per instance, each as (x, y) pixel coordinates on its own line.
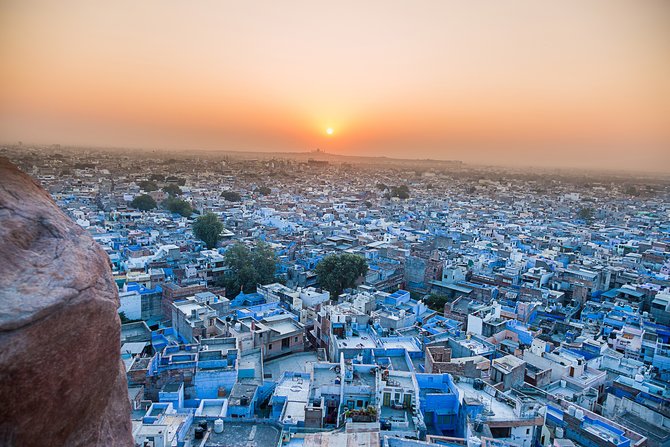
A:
(571, 410)
(218, 426)
(579, 414)
(559, 432)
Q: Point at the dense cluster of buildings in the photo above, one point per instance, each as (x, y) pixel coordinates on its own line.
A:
(499, 309)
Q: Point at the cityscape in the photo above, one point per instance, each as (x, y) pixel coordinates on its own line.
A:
(346, 301)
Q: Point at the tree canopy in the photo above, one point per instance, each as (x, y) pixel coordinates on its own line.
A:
(586, 214)
(436, 302)
(632, 190)
(401, 192)
(172, 190)
(340, 271)
(231, 196)
(208, 229)
(264, 190)
(248, 267)
(179, 206)
(143, 202)
(149, 185)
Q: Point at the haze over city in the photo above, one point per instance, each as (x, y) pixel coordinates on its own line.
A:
(576, 83)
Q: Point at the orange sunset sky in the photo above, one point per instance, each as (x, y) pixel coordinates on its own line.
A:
(576, 82)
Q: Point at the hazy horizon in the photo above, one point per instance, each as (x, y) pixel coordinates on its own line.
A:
(577, 83)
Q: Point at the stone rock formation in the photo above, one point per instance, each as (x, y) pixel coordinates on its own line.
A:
(62, 382)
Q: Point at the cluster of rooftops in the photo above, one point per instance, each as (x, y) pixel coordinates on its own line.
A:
(494, 311)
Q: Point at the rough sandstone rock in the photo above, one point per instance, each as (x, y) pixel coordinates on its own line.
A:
(61, 377)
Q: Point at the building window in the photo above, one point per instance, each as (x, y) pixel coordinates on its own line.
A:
(270, 346)
(295, 339)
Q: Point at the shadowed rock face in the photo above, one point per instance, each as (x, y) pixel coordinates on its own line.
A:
(61, 377)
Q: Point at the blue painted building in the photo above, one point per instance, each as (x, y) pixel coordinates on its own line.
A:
(439, 402)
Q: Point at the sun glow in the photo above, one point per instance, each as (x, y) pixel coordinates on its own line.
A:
(329, 131)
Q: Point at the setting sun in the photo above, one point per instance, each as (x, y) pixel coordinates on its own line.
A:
(329, 131)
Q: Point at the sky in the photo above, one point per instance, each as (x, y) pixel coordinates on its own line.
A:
(524, 82)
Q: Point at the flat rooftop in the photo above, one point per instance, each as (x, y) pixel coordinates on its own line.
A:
(508, 363)
(475, 346)
(407, 344)
(135, 330)
(284, 326)
(499, 410)
(397, 415)
(299, 362)
(171, 387)
(360, 342)
(212, 408)
(296, 391)
(187, 307)
(324, 374)
(237, 434)
(241, 390)
(399, 363)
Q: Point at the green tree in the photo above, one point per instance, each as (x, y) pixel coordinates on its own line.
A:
(172, 190)
(632, 190)
(401, 192)
(436, 302)
(179, 206)
(340, 271)
(265, 262)
(143, 203)
(208, 229)
(264, 191)
(248, 267)
(231, 196)
(586, 214)
(149, 186)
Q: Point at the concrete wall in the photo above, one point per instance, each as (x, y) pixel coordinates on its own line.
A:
(131, 305)
(208, 382)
